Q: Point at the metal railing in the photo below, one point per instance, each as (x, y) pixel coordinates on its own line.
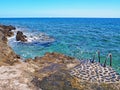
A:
(109, 56)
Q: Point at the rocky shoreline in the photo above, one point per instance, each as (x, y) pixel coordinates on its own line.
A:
(53, 71)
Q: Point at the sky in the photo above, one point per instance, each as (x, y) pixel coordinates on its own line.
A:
(60, 8)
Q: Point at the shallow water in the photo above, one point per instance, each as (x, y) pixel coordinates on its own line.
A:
(76, 37)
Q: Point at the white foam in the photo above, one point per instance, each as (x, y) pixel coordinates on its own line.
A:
(41, 38)
(32, 37)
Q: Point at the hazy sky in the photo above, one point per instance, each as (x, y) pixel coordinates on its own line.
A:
(60, 8)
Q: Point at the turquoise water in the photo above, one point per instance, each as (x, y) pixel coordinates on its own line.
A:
(76, 37)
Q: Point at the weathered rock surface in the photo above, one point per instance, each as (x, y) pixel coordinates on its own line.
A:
(60, 80)
(50, 72)
(21, 37)
(15, 78)
(7, 55)
(10, 27)
(7, 30)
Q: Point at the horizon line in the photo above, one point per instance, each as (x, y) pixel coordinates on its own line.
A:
(57, 17)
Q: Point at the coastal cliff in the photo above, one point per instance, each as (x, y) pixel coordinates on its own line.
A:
(7, 55)
(53, 71)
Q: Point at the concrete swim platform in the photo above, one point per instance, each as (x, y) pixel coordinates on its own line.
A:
(95, 72)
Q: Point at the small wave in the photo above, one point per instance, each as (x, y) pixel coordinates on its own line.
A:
(41, 38)
(33, 37)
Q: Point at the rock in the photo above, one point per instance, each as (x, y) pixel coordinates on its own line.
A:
(10, 27)
(21, 37)
(16, 78)
(7, 55)
(54, 57)
(7, 30)
(56, 81)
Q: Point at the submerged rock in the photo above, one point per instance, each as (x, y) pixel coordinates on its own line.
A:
(21, 37)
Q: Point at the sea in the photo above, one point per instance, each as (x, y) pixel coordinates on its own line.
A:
(81, 38)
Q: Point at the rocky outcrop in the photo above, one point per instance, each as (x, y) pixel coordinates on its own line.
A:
(53, 72)
(7, 30)
(10, 27)
(7, 55)
(21, 37)
(50, 72)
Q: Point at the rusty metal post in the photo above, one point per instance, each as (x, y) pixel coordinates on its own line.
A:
(104, 65)
(110, 59)
(93, 59)
(99, 56)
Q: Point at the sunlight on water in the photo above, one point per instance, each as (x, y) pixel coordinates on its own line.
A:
(79, 38)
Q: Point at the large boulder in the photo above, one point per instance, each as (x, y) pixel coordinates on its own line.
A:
(21, 37)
